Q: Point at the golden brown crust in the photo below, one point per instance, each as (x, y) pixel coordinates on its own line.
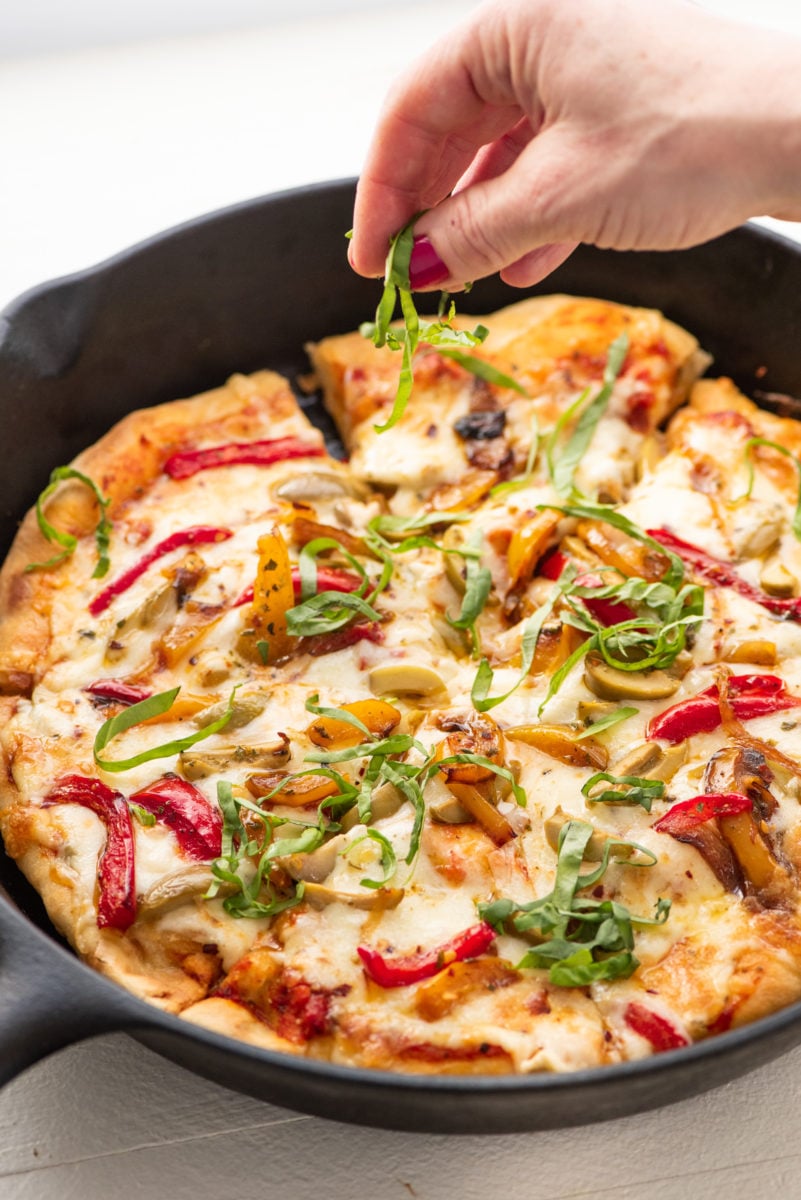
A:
(123, 463)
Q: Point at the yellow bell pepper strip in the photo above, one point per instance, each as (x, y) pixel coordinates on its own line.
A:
(266, 637)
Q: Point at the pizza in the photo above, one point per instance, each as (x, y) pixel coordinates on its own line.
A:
(477, 753)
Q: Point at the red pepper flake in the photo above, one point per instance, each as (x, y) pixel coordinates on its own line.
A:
(179, 805)
(655, 1029)
(116, 905)
(261, 454)
(196, 535)
(402, 970)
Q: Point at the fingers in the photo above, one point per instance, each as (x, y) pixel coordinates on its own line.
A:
(431, 129)
(516, 222)
(537, 264)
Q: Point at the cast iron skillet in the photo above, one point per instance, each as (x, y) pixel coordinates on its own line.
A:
(242, 289)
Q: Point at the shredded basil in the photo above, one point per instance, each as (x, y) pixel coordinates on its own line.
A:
(666, 610)
(482, 701)
(625, 789)
(239, 848)
(389, 863)
(580, 939)
(326, 612)
(478, 585)
(440, 333)
(513, 485)
(604, 723)
(144, 817)
(481, 761)
(750, 446)
(563, 470)
(154, 706)
(68, 541)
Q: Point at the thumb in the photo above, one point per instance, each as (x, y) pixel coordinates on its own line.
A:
(522, 220)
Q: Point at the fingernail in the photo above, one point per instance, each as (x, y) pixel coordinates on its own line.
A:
(426, 268)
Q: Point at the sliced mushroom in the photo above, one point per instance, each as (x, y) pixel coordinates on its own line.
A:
(447, 810)
(405, 679)
(594, 851)
(384, 802)
(318, 864)
(443, 806)
(212, 667)
(763, 537)
(197, 764)
(611, 684)
(179, 888)
(318, 896)
(453, 539)
(157, 612)
(592, 711)
(456, 640)
(776, 580)
(560, 742)
(244, 710)
(682, 663)
(755, 862)
(649, 760)
(313, 485)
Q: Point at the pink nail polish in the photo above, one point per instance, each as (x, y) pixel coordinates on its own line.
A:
(426, 268)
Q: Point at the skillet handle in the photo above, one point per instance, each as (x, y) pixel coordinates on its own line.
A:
(48, 999)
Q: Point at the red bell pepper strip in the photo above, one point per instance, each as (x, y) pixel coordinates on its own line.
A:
(186, 811)
(115, 689)
(329, 579)
(327, 643)
(722, 573)
(750, 696)
(401, 970)
(261, 454)
(196, 535)
(689, 814)
(553, 565)
(604, 609)
(116, 905)
(655, 1029)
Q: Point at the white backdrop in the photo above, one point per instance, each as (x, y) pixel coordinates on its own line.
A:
(100, 146)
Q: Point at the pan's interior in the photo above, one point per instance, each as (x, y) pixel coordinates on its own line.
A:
(247, 287)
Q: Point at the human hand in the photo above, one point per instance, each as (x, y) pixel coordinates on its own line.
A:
(614, 122)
